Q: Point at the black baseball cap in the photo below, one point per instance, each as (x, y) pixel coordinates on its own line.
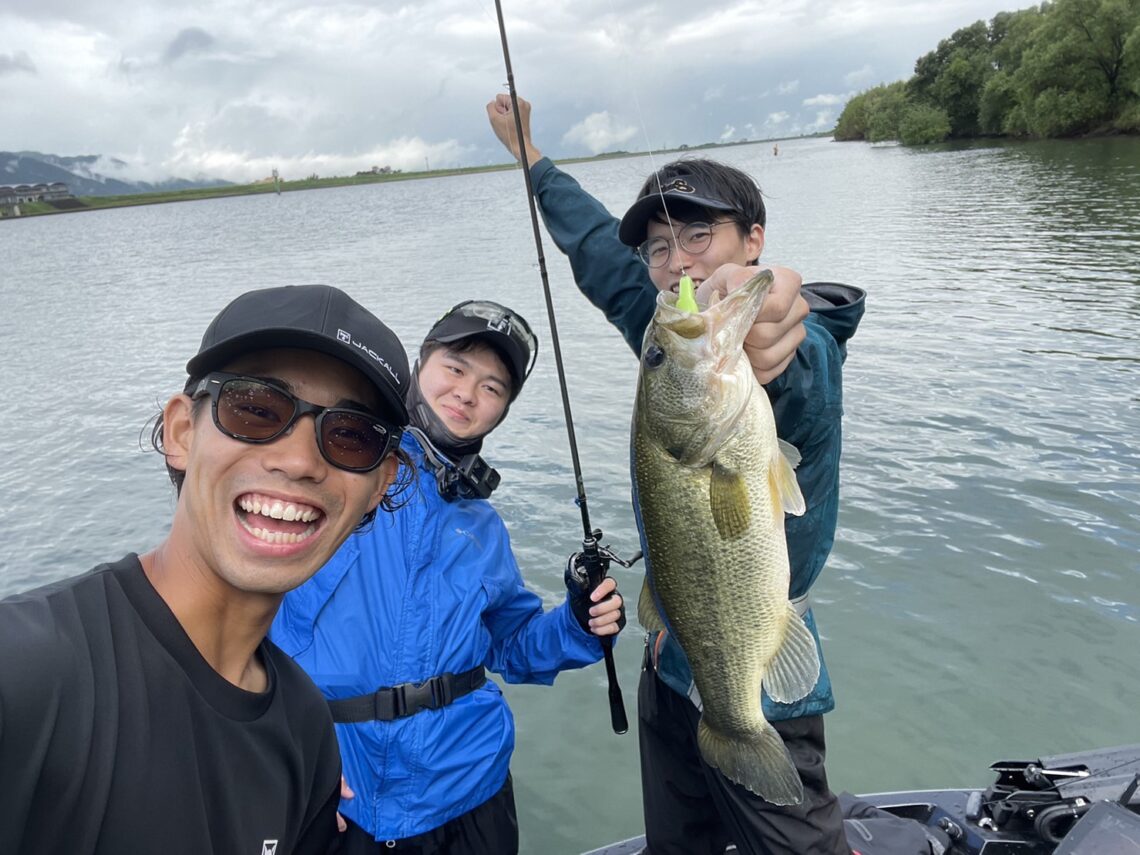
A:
(503, 329)
(311, 317)
(690, 189)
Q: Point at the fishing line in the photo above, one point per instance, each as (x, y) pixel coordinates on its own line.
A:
(595, 557)
(621, 42)
(555, 342)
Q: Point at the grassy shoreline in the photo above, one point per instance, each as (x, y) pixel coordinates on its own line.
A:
(97, 203)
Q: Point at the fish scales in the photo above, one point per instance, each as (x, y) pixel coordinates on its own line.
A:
(713, 486)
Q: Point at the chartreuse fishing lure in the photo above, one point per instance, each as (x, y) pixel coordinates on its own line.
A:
(686, 298)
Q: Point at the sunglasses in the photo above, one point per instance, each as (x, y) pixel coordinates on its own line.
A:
(256, 411)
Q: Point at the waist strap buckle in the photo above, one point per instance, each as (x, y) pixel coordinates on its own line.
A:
(393, 702)
(431, 694)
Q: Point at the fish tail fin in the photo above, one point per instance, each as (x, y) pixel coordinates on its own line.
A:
(794, 669)
(760, 762)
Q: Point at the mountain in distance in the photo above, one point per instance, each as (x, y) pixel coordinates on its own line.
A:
(78, 173)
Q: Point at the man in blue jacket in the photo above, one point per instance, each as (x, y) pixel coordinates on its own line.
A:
(400, 627)
(695, 217)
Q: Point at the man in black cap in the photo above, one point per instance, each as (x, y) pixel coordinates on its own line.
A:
(141, 707)
(705, 220)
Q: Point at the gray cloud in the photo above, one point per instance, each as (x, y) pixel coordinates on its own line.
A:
(189, 40)
(236, 87)
(13, 63)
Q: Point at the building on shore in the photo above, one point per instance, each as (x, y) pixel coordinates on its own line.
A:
(14, 195)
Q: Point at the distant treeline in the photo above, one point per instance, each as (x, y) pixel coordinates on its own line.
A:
(1059, 69)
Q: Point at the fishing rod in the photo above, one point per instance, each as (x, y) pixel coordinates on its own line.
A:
(595, 557)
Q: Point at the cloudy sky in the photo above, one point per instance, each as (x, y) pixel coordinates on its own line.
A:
(234, 88)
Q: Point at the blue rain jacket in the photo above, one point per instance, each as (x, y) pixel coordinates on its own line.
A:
(432, 588)
(807, 399)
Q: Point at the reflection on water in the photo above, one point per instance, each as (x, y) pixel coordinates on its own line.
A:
(981, 598)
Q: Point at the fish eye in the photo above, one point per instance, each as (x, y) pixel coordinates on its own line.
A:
(654, 356)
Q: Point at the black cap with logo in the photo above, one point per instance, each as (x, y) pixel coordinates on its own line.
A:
(503, 329)
(310, 317)
(690, 189)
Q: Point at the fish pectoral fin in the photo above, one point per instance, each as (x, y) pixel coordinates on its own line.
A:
(647, 614)
(794, 670)
(728, 500)
(758, 761)
(786, 493)
(789, 451)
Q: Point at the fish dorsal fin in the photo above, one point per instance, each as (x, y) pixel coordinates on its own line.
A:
(728, 500)
(786, 493)
(794, 669)
(647, 614)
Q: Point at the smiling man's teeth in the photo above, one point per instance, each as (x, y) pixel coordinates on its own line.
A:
(279, 536)
(278, 510)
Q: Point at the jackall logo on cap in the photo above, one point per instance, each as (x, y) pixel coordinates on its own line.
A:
(678, 185)
(269, 847)
(500, 324)
(347, 338)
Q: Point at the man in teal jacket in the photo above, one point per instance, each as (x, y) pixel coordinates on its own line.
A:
(693, 217)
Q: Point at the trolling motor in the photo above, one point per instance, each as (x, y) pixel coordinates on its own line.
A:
(1079, 803)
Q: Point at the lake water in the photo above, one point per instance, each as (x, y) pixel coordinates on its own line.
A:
(982, 601)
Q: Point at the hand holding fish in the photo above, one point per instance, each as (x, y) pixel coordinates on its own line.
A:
(502, 118)
(778, 328)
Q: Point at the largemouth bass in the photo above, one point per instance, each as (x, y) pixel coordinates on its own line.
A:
(713, 483)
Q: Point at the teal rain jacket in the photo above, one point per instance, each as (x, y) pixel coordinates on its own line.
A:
(807, 398)
(431, 588)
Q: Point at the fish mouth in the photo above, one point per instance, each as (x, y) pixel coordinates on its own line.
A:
(724, 319)
(710, 340)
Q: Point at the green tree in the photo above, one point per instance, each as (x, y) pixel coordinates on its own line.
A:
(1131, 73)
(873, 115)
(952, 77)
(1012, 33)
(1061, 68)
(1056, 113)
(959, 89)
(922, 123)
(1078, 75)
(1103, 28)
(1128, 119)
(852, 124)
(885, 105)
(998, 101)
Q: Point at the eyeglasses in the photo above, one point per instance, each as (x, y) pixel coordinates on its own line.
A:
(502, 320)
(256, 411)
(694, 238)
